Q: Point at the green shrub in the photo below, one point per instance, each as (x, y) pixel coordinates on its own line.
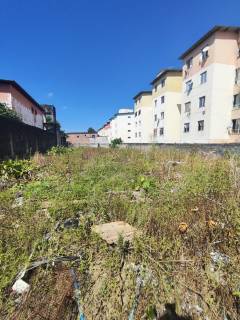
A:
(8, 113)
(116, 142)
(15, 169)
(57, 150)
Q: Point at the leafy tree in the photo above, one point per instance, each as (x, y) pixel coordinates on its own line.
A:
(5, 112)
(91, 130)
(116, 142)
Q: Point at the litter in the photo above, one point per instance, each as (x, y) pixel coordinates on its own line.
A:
(110, 232)
(20, 286)
(77, 294)
(218, 257)
(42, 262)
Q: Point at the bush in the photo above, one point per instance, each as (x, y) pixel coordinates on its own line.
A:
(57, 150)
(116, 142)
(15, 169)
(8, 113)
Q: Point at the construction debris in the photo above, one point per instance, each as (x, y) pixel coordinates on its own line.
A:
(20, 286)
(110, 232)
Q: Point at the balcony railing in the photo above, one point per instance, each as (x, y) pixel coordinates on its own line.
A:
(234, 131)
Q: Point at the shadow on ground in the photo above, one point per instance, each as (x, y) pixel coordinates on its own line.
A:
(171, 314)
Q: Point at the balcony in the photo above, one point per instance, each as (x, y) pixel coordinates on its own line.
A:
(234, 131)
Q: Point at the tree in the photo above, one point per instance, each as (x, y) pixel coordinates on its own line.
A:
(116, 142)
(91, 130)
(5, 112)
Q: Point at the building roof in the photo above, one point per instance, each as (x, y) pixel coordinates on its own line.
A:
(164, 72)
(20, 89)
(142, 93)
(207, 35)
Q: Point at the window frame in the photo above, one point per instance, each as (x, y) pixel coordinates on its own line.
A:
(186, 127)
(200, 105)
(201, 125)
(203, 76)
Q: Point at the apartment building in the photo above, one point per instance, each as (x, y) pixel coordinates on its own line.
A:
(105, 130)
(17, 99)
(211, 88)
(166, 106)
(121, 125)
(143, 117)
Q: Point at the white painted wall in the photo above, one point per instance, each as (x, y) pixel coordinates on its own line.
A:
(218, 91)
(143, 124)
(171, 121)
(122, 126)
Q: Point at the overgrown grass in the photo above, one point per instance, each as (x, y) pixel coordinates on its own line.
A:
(98, 185)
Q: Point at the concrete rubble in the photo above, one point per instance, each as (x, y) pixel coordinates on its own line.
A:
(110, 232)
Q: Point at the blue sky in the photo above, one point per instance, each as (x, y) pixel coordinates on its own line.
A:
(90, 57)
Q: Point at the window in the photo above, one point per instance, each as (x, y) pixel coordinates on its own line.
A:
(237, 76)
(139, 122)
(236, 100)
(161, 131)
(77, 136)
(154, 132)
(135, 134)
(203, 77)
(236, 126)
(129, 124)
(129, 137)
(139, 134)
(204, 54)
(189, 86)
(188, 107)
(201, 125)
(129, 130)
(129, 117)
(163, 81)
(189, 63)
(162, 99)
(155, 117)
(202, 102)
(155, 102)
(135, 114)
(162, 115)
(155, 88)
(186, 127)
(139, 112)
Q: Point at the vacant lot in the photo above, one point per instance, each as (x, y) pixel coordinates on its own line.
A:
(185, 207)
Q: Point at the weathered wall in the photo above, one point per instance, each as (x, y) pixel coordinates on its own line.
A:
(218, 148)
(19, 140)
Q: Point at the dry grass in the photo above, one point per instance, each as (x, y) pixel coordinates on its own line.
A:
(185, 204)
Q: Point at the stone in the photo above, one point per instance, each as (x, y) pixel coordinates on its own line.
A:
(110, 232)
(20, 286)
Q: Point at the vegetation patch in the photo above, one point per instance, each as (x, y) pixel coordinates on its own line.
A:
(184, 259)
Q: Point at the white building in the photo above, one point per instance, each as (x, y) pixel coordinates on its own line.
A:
(211, 88)
(166, 100)
(143, 117)
(119, 126)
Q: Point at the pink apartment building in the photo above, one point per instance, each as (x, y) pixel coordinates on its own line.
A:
(17, 99)
(211, 88)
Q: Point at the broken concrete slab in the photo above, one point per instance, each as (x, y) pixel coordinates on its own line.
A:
(110, 232)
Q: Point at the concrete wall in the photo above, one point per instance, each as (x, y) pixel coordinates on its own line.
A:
(217, 148)
(20, 140)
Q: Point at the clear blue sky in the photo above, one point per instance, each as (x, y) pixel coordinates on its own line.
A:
(90, 57)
